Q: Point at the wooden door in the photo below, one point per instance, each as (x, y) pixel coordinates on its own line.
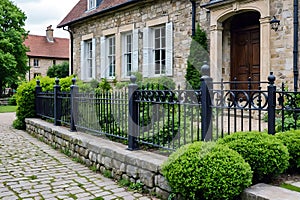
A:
(245, 56)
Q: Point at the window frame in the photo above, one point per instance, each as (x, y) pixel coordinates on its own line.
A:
(111, 56)
(36, 62)
(159, 50)
(127, 52)
(91, 4)
(149, 51)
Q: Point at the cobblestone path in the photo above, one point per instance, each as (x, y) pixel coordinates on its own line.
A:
(30, 169)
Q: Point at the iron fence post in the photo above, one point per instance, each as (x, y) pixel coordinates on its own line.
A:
(271, 103)
(206, 110)
(38, 89)
(132, 115)
(74, 90)
(57, 103)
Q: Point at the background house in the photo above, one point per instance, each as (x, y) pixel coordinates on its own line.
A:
(45, 51)
(114, 38)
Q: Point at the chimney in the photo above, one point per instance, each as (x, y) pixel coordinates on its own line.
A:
(49, 34)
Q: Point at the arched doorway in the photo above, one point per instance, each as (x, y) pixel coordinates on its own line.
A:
(245, 48)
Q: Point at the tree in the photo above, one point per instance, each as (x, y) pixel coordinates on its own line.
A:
(13, 58)
(198, 54)
(59, 71)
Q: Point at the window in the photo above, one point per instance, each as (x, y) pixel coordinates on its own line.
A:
(111, 56)
(88, 59)
(36, 74)
(127, 53)
(35, 62)
(158, 50)
(91, 4)
(53, 62)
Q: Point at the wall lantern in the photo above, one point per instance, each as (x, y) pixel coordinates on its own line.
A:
(274, 23)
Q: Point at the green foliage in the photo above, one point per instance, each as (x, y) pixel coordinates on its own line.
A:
(12, 101)
(13, 58)
(198, 54)
(291, 139)
(267, 155)
(103, 86)
(198, 170)
(25, 97)
(59, 71)
(162, 82)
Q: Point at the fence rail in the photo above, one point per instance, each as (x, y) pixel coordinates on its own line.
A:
(168, 119)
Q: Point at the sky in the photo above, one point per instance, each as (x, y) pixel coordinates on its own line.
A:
(42, 13)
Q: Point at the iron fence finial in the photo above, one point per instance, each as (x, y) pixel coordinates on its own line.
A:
(271, 78)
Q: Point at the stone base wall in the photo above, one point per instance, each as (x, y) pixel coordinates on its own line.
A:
(136, 166)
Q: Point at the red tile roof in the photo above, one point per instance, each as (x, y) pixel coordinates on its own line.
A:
(79, 12)
(40, 47)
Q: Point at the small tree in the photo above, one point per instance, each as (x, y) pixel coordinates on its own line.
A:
(198, 54)
(13, 58)
(59, 71)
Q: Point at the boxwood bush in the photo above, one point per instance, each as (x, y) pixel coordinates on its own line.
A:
(207, 171)
(291, 139)
(267, 155)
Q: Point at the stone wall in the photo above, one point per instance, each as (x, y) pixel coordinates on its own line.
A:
(178, 12)
(44, 64)
(136, 166)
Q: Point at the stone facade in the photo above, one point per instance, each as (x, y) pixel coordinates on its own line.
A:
(44, 64)
(276, 47)
(155, 12)
(105, 155)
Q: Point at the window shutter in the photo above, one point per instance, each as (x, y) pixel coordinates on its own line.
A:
(135, 50)
(82, 61)
(169, 49)
(102, 57)
(94, 58)
(147, 53)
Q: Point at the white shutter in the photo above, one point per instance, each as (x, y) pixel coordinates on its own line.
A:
(135, 50)
(94, 58)
(102, 57)
(169, 49)
(147, 53)
(82, 61)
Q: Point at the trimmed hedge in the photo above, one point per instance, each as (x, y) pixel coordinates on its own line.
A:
(198, 170)
(267, 155)
(291, 139)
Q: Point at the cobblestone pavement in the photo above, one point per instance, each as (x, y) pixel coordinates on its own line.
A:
(30, 169)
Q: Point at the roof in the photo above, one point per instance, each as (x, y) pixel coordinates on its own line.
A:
(40, 47)
(79, 11)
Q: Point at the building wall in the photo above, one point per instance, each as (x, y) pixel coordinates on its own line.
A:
(178, 12)
(44, 64)
(276, 47)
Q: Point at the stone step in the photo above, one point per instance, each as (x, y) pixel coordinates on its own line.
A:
(263, 191)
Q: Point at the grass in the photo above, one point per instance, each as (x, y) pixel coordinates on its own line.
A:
(5, 109)
(290, 187)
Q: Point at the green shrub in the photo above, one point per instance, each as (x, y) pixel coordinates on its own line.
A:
(59, 71)
(25, 103)
(198, 170)
(224, 171)
(12, 101)
(291, 139)
(266, 154)
(25, 97)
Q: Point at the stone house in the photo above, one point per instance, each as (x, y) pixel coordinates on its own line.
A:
(111, 39)
(44, 52)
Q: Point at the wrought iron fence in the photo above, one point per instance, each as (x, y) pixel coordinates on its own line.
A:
(164, 118)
